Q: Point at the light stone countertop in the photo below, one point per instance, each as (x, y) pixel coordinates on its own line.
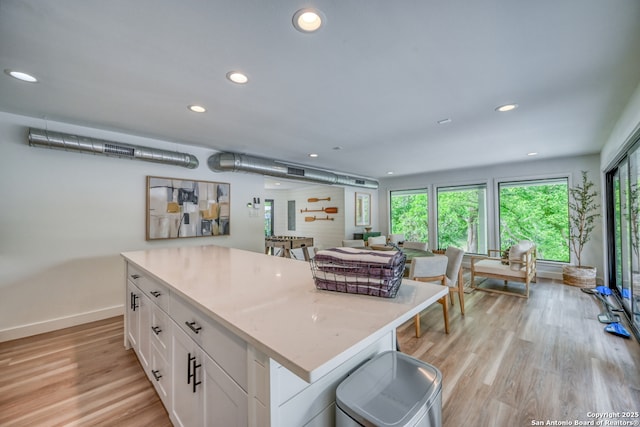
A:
(272, 303)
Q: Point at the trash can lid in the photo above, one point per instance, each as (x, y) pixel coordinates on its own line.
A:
(389, 390)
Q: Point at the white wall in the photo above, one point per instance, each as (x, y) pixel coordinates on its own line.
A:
(531, 169)
(66, 217)
(326, 234)
(626, 126)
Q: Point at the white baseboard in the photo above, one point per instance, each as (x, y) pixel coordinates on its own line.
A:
(549, 275)
(558, 276)
(59, 323)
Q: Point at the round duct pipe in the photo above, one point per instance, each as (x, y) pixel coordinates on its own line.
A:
(82, 144)
(234, 162)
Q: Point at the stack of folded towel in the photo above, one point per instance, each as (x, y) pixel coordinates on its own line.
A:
(359, 271)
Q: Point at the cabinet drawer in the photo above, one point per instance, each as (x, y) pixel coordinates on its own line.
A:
(228, 350)
(160, 375)
(134, 274)
(160, 331)
(157, 292)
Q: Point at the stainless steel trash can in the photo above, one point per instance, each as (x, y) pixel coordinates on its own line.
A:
(392, 389)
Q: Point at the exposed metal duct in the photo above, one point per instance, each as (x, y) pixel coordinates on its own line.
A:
(234, 162)
(82, 144)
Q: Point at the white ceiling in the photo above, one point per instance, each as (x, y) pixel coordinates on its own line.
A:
(374, 80)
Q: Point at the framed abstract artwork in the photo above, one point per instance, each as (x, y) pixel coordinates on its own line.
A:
(178, 208)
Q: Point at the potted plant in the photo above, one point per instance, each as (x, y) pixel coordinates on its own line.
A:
(583, 211)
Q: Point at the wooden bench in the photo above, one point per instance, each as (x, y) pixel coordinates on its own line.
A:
(520, 266)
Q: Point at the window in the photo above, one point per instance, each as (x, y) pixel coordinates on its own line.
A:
(537, 211)
(291, 215)
(462, 218)
(268, 217)
(410, 214)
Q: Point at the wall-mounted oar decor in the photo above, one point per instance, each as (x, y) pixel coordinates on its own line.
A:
(313, 199)
(313, 218)
(330, 210)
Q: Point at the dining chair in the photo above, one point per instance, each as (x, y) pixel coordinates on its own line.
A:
(396, 238)
(358, 243)
(431, 269)
(454, 274)
(415, 245)
(377, 240)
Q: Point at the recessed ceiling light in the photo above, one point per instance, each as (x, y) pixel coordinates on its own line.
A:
(197, 108)
(307, 20)
(21, 76)
(533, 153)
(390, 173)
(237, 77)
(444, 121)
(506, 107)
(313, 155)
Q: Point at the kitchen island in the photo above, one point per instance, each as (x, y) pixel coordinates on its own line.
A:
(232, 337)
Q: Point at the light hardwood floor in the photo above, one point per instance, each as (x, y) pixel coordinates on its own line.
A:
(80, 376)
(506, 363)
(510, 361)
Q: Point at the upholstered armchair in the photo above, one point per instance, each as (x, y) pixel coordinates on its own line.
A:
(519, 266)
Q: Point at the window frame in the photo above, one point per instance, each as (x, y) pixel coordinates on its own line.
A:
(487, 209)
(419, 190)
(524, 179)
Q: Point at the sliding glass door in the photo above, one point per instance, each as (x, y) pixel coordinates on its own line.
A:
(630, 291)
(623, 201)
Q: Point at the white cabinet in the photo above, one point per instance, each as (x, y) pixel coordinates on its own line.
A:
(225, 403)
(161, 376)
(160, 355)
(203, 394)
(226, 348)
(160, 331)
(133, 315)
(186, 396)
(198, 367)
(148, 332)
(138, 324)
(144, 346)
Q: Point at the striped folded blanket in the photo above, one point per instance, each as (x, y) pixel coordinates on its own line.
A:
(359, 262)
(359, 271)
(360, 255)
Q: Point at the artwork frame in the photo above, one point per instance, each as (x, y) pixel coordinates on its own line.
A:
(363, 209)
(182, 208)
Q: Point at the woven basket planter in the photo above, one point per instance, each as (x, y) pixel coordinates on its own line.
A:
(582, 277)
